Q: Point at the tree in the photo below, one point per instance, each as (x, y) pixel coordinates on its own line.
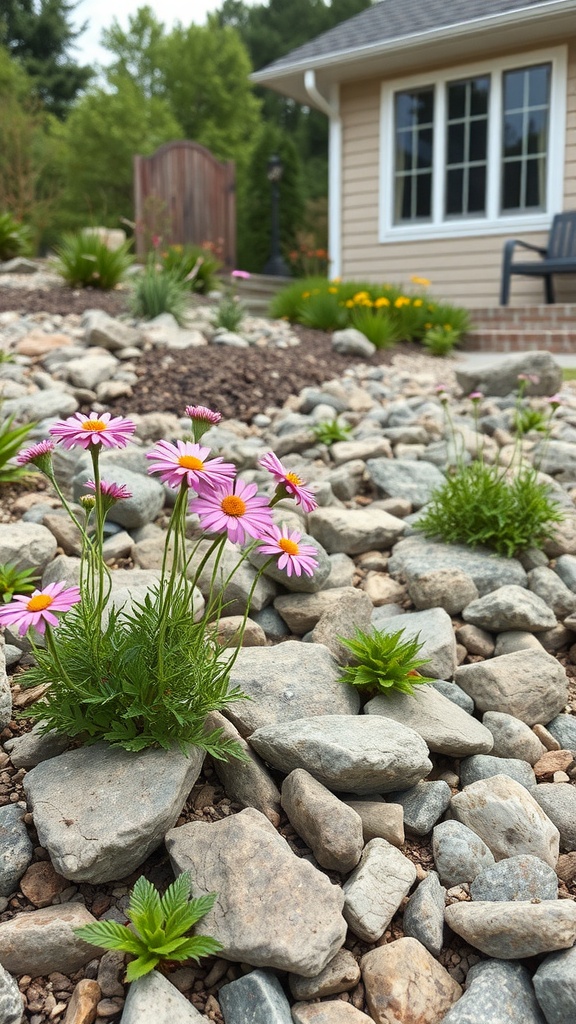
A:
(38, 34)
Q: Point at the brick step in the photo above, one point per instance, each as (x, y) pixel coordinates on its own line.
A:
(510, 339)
(562, 315)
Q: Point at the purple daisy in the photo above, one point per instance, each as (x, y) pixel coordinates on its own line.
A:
(187, 462)
(234, 507)
(95, 429)
(294, 557)
(290, 482)
(110, 491)
(38, 610)
(39, 455)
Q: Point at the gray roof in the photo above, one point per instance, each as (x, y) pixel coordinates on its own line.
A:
(388, 20)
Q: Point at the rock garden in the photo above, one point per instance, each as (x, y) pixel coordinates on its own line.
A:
(382, 850)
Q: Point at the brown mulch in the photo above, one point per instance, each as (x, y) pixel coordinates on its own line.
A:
(62, 300)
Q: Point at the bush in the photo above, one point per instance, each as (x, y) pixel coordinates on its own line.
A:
(84, 260)
(159, 291)
(384, 661)
(440, 340)
(229, 313)
(322, 311)
(15, 238)
(195, 264)
(376, 325)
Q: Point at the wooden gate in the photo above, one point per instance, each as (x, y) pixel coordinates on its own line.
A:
(183, 195)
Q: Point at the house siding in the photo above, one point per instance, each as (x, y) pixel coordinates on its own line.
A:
(465, 270)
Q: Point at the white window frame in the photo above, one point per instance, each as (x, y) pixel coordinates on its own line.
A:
(494, 222)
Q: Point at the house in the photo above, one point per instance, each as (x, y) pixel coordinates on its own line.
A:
(452, 128)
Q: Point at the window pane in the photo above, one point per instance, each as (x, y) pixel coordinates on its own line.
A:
(479, 92)
(456, 144)
(511, 185)
(513, 133)
(404, 150)
(537, 126)
(514, 90)
(414, 140)
(466, 146)
(525, 137)
(454, 192)
(456, 100)
(477, 189)
(478, 140)
(424, 195)
(403, 199)
(538, 85)
(535, 182)
(425, 147)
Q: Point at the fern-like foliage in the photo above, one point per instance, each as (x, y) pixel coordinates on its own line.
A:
(15, 581)
(159, 927)
(137, 683)
(330, 431)
(384, 661)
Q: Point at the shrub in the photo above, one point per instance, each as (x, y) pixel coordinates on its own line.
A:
(383, 661)
(287, 303)
(322, 311)
(440, 340)
(84, 260)
(229, 313)
(195, 264)
(15, 581)
(11, 440)
(377, 326)
(15, 238)
(159, 291)
(159, 927)
(330, 431)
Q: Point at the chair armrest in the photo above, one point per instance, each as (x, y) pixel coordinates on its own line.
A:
(509, 246)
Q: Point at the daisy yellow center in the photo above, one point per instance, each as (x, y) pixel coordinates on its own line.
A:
(289, 546)
(190, 462)
(93, 425)
(232, 505)
(293, 478)
(39, 603)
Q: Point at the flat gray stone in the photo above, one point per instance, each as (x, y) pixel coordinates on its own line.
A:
(352, 342)
(459, 854)
(380, 820)
(406, 479)
(247, 783)
(555, 985)
(445, 727)
(513, 738)
(91, 369)
(502, 378)
(510, 607)
(424, 914)
(331, 829)
(455, 694)
(558, 801)
(353, 531)
(340, 975)
(297, 924)
(433, 629)
(563, 729)
(43, 941)
(355, 754)
(530, 685)
(497, 992)
(11, 1002)
(100, 810)
(450, 589)
(153, 999)
(483, 766)
(516, 878)
(16, 850)
(514, 640)
(422, 805)
(106, 332)
(546, 583)
(32, 747)
(414, 556)
(352, 612)
(26, 545)
(143, 507)
(301, 612)
(508, 818)
(287, 682)
(376, 888)
(514, 930)
(257, 998)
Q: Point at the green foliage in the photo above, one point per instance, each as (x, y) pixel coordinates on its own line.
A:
(159, 291)
(84, 260)
(482, 505)
(384, 661)
(160, 924)
(287, 303)
(196, 263)
(526, 419)
(330, 431)
(15, 581)
(229, 313)
(11, 441)
(377, 325)
(14, 237)
(440, 340)
(141, 681)
(322, 311)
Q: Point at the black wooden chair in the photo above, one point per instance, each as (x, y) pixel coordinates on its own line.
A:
(559, 256)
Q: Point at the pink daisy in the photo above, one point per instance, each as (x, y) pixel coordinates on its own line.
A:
(38, 610)
(109, 490)
(203, 413)
(38, 455)
(294, 557)
(95, 429)
(186, 462)
(235, 507)
(289, 482)
(476, 396)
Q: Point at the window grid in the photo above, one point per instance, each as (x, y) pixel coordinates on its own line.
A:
(467, 120)
(406, 181)
(525, 159)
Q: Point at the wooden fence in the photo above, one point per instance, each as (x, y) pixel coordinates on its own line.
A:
(183, 195)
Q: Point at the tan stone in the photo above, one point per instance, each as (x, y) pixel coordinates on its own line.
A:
(546, 738)
(566, 866)
(333, 1011)
(554, 761)
(340, 975)
(382, 589)
(82, 1008)
(229, 630)
(380, 820)
(404, 983)
(38, 343)
(41, 883)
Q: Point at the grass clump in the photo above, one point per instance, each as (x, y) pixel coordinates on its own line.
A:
(194, 264)
(84, 260)
(15, 238)
(11, 440)
(383, 662)
(330, 431)
(159, 291)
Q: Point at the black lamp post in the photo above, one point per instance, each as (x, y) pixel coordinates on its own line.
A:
(275, 265)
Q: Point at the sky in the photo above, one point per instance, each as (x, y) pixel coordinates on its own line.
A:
(100, 13)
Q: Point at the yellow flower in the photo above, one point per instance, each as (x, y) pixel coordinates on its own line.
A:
(418, 302)
(421, 280)
(333, 291)
(336, 280)
(361, 296)
(305, 295)
(427, 327)
(401, 301)
(447, 327)
(382, 301)
(349, 303)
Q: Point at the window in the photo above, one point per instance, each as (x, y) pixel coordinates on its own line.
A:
(482, 149)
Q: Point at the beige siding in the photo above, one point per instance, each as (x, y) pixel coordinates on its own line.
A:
(463, 270)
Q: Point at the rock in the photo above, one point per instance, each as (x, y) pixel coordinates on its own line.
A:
(143, 507)
(510, 607)
(405, 478)
(347, 753)
(41, 883)
(508, 818)
(353, 531)
(11, 1004)
(530, 685)
(459, 854)
(16, 850)
(5, 690)
(302, 928)
(43, 941)
(82, 1008)
(39, 343)
(353, 611)
(424, 914)
(502, 378)
(516, 878)
(375, 889)
(351, 342)
(554, 761)
(349, 452)
(154, 1000)
(422, 806)
(566, 867)
(455, 694)
(496, 992)
(514, 930)
(331, 829)
(231, 627)
(380, 820)
(287, 682)
(19, 265)
(26, 545)
(512, 738)
(53, 403)
(246, 782)
(546, 738)
(555, 985)
(340, 975)
(405, 983)
(450, 589)
(482, 766)
(546, 583)
(433, 629)
(106, 332)
(236, 579)
(258, 997)
(558, 801)
(514, 640)
(100, 810)
(563, 729)
(381, 589)
(475, 640)
(301, 612)
(445, 727)
(332, 1011)
(415, 556)
(91, 369)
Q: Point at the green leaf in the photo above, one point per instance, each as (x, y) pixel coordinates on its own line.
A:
(110, 935)
(144, 909)
(197, 947)
(183, 918)
(176, 894)
(143, 965)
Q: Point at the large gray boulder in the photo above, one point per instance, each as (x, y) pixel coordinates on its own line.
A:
(502, 378)
(416, 556)
(405, 478)
(530, 685)
(497, 991)
(355, 530)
